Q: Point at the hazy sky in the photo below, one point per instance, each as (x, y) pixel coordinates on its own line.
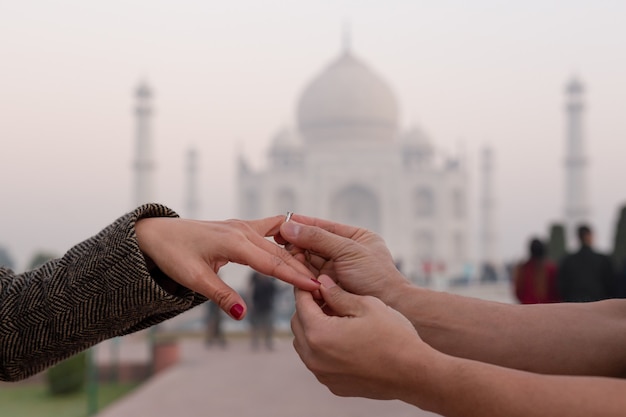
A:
(227, 76)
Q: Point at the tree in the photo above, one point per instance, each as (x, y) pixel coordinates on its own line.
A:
(5, 258)
(40, 258)
(68, 376)
(556, 243)
(619, 244)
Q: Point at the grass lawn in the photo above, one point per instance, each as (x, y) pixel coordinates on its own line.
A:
(33, 400)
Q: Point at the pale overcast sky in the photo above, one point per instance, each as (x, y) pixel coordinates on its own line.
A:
(227, 76)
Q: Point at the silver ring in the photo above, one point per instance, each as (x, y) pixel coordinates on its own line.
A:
(288, 216)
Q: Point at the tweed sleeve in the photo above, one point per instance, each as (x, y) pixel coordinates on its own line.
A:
(101, 288)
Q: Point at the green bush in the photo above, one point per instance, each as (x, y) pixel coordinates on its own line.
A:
(68, 376)
(557, 248)
(619, 243)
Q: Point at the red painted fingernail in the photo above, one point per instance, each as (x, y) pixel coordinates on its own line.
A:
(236, 311)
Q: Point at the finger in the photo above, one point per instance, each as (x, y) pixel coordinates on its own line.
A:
(305, 256)
(268, 226)
(293, 249)
(209, 284)
(340, 302)
(315, 239)
(340, 229)
(300, 257)
(299, 339)
(276, 261)
(317, 295)
(318, 262)
(254, 250)
(314, 263)
(296, 327)
(279, 239)
(308, 312)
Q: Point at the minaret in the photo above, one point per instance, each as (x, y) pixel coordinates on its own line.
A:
(576, 203)
(192, 204)
(144, 161)
(487, 216)
(346, 38)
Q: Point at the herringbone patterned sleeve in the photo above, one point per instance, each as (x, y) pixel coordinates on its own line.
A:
(101, 288)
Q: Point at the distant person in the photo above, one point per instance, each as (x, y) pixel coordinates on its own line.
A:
(534, 280)
(586, 275)
(144, 268)
(262, 296)
(489, 273)
(621, 281)
(214, 329)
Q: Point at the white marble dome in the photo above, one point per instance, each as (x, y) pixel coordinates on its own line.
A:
(348, 101)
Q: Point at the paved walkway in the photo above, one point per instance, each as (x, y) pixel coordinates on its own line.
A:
(236, 381)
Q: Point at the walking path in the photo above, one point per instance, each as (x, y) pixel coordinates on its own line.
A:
(237, 381)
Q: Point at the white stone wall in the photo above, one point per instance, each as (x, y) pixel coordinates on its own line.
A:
(325, 171)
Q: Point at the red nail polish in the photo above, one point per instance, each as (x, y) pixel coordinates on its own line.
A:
(236, 311)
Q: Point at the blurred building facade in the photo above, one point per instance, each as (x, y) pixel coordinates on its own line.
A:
(349, 160)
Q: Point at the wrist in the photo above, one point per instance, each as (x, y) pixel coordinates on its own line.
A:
(143, 229)
(426, 374)
(396, 293)
(167, 284)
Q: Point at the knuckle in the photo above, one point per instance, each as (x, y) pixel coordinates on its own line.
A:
(346, 246)
(317, 367)
(277, 262)
(282, 255)
(195, 277)
(315, 234)
(222, 297)
(370, 302)
(338, 391)
(237, 225)
(316, 341)
(328, 379)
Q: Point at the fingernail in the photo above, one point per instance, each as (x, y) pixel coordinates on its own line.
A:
(291, 229)
(326, 281)
(236, 311)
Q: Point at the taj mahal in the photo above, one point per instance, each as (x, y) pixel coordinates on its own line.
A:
(348, 159)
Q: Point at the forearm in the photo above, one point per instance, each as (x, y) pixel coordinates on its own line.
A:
(458, 387)
(581, 339)
(99, 289)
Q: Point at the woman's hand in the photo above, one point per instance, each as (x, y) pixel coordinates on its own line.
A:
(191, 252)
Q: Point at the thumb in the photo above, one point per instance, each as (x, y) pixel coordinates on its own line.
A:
(316, 239)
(341, 302)
(211, 286)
